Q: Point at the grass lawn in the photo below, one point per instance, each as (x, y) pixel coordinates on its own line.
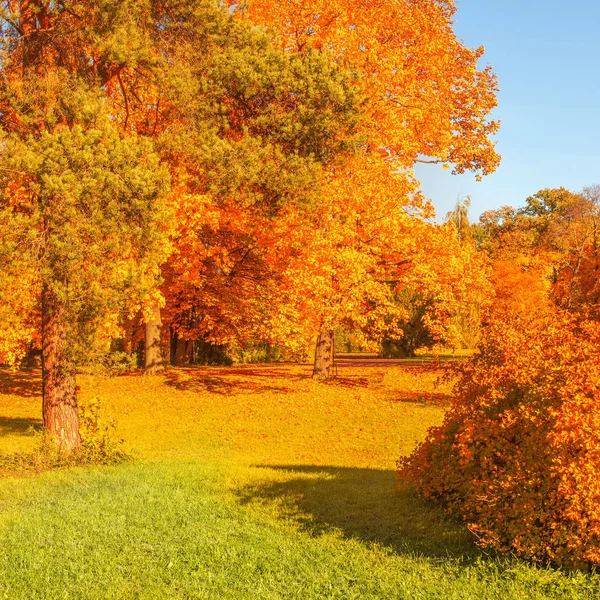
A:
(249, 482)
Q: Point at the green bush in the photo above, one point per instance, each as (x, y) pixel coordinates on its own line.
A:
(120, 362)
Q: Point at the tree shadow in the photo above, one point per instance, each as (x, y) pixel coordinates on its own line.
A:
(425, 364)
(27, 384)
(348, 382)
(365, 505)
(280, 371)
(423, 398)
(18, 425)
(225, 383)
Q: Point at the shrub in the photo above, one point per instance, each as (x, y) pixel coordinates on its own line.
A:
(518, 455)
(111, 363)
(119, 362)
(99, 442)
(99, 446)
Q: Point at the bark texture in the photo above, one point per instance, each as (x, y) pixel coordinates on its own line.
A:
(59, 387)
(154, 362)
(323, 366)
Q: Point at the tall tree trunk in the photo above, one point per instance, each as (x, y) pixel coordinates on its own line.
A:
(323, 355)
(154, 360)
(59, 388)
(192, 353)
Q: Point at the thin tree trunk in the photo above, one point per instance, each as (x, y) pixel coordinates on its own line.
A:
(323, 355)
(181, 356)
(128, 336)
(174, 336)
(59, 387)
(154, 360)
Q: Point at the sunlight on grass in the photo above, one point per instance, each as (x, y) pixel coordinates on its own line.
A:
(270, 415)
(251, 482)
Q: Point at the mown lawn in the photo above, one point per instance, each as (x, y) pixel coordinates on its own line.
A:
(249, 482)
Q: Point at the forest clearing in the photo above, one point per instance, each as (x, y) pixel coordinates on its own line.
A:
(251, 343)
(248, 482)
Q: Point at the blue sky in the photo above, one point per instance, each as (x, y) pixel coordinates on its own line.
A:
(547, 59)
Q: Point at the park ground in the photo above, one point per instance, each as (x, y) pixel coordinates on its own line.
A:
(248, 482)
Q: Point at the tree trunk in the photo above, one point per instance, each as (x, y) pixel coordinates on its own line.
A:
(173, 337)
(59, 388)
(128, 336)
(29, 33)
(323, 355)
(180, 351)
(154, 360)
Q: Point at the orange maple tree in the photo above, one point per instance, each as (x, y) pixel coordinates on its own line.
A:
(370, 238)
(219, 284)
(427, 96)
(546, 253)
(426, 100)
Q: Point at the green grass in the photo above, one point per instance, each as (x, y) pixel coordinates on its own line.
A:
(250, 483)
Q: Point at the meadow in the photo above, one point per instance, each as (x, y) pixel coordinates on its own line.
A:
(247, 482)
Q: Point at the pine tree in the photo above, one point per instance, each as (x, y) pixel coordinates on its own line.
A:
(101, 104)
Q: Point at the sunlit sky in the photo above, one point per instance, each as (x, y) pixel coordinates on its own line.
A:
(546, 55)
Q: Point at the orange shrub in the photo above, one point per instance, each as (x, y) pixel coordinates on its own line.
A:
(518, 455)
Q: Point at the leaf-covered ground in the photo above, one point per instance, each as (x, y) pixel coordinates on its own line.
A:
(250, 482)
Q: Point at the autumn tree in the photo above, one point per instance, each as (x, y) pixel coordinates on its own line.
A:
(218, 282)
(544, 254)
(369, 240)
(82, 201)
(247, 135)
(426, 98)
(520, 268)
(568, 227)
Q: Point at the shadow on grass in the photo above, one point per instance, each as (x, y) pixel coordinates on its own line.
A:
(27, 384)
(423, 398)
(18, 426)
(231, 381)
(348, 382)
(277, 371)
(363, 504)
(418, 363)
